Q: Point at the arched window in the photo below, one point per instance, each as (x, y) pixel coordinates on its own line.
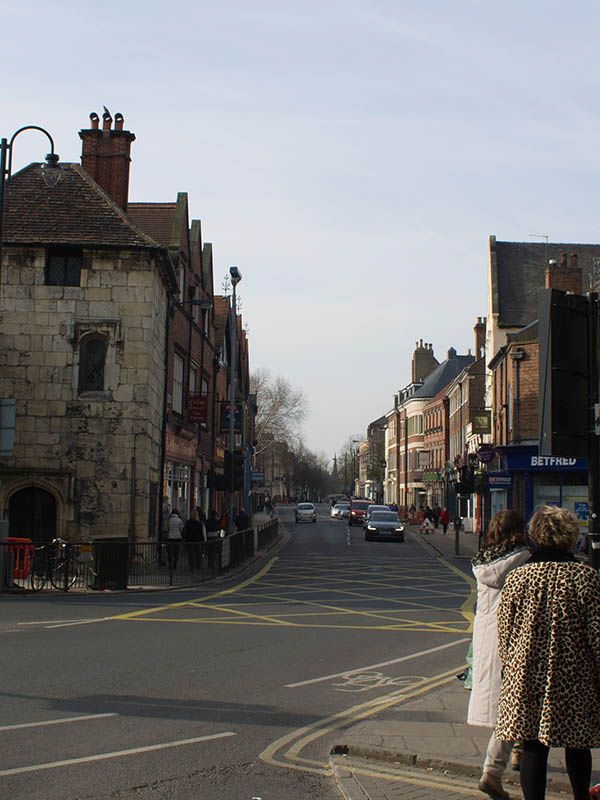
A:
(92, 354)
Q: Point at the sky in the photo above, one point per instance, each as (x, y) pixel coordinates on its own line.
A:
(351, 157)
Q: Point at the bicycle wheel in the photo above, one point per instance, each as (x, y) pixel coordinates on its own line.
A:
(60, 578)
(39, 573)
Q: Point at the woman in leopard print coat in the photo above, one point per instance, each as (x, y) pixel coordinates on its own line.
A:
(549, 645)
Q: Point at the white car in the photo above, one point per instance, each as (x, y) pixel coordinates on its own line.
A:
(306, 512)
(336, 510)
(372, 508)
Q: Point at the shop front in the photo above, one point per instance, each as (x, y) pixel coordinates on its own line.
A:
(178, 489)
(528, 481)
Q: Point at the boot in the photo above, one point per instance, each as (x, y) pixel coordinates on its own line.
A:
(515, 758)
(492, 786)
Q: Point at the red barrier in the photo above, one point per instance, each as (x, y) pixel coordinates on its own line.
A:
(22, 550)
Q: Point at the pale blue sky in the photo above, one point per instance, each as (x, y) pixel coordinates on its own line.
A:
(351, 157)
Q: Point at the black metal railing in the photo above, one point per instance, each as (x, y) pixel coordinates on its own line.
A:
(119, 564)
(267, 533)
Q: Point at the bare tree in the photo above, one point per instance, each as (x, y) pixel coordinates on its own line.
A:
(281, 410)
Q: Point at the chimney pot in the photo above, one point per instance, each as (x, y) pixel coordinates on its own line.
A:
(563, 259)
(574, 260)
(119, 121)
(106, 119)
(95, 120)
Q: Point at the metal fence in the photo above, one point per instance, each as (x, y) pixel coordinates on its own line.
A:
(119, 564)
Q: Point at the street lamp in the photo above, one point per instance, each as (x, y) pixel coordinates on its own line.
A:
(236, 277)
(50, 172)
(354, 451)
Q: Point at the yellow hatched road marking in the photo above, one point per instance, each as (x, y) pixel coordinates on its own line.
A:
(253, 579)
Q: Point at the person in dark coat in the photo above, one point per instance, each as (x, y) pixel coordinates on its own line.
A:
(242, 522)
(194, 534)
(213, 526)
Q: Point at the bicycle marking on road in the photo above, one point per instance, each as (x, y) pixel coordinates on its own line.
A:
(115, 754)
(297, 740)
(375, 666)
(61, 721)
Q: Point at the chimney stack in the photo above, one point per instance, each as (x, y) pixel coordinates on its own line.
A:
(479, 330)
(564, 277)
(105, 155)
(423, 361)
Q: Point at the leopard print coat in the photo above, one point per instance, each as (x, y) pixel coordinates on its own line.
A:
(549, 645)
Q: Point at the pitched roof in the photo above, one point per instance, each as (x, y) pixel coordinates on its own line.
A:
(76, 211)
(155, 219)
(519, 272)
(443, 374)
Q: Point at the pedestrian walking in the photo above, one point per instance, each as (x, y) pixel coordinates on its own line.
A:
(503, 550)
(174, 537)
(213, 528)
(242, 522)
(549, 645)
(436, 515)
(445, 519)
(194, 534)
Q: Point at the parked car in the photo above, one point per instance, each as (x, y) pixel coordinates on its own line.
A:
(358, 509)
(384, 525)
(374, 507)
(306, 512)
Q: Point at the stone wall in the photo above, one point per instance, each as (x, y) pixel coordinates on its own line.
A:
(84, 444)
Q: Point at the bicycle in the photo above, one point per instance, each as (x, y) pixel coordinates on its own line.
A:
(58, 565)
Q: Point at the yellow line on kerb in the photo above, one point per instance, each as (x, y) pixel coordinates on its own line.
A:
(145, 612)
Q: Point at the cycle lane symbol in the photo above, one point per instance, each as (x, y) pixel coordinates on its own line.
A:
(365, 681)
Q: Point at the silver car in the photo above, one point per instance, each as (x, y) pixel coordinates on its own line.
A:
(306, 512)
(336, 510)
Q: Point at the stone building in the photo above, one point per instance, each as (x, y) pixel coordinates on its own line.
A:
(84, 310)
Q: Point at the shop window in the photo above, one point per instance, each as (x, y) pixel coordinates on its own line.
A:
(63, 266)
(92, 356)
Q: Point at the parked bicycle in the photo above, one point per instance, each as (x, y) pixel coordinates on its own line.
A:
(61, 565)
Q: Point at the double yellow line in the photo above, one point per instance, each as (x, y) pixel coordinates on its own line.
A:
(286, 751)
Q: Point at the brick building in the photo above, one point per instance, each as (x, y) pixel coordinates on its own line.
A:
(519, 478)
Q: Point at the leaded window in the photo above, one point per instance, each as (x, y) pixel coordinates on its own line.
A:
(92, 355)
(63, 266)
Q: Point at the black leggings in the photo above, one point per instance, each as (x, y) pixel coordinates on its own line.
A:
(533, 771)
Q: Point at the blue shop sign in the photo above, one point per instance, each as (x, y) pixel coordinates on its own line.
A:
(520, 461)
(499, 480)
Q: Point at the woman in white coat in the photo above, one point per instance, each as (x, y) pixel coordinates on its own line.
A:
(504, 549)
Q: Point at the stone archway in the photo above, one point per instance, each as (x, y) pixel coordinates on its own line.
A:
(32, 514)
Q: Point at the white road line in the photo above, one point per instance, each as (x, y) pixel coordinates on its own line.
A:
(56, 721)
(49, 621)
(381, 664)
(80, 622)
(116, 754)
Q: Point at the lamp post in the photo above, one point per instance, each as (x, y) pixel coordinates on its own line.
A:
(236, 277)
(50, 172)
(354, 451)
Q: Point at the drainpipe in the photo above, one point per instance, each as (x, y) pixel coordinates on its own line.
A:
(163, 434)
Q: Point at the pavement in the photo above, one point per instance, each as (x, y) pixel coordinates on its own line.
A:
(422, 747)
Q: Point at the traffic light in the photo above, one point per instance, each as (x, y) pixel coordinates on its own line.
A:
(235, 466)
(564, 402)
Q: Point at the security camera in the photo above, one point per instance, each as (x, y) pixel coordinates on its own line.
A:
(236, 275)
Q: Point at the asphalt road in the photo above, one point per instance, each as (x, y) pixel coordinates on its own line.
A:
(232, 691)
